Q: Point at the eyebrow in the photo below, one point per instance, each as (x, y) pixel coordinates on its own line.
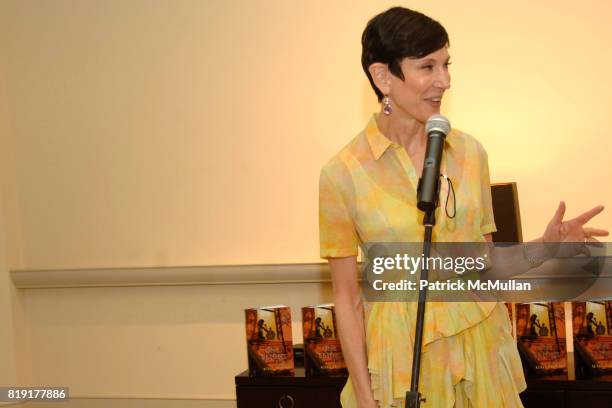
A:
(430, 60)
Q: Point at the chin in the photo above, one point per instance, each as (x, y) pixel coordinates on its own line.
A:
(425, 116)
(432, 112)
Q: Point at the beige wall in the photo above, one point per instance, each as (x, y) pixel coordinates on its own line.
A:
(164, 133)
(8, 352)
(155, 342)
(185, 133)
(11, 371)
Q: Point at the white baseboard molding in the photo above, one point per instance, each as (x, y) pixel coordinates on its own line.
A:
(172, 276)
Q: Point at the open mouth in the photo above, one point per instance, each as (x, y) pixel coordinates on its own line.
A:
(434, 101)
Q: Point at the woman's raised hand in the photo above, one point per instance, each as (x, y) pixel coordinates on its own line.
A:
(572, 230)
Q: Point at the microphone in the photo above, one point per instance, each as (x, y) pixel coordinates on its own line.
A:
(428, 189)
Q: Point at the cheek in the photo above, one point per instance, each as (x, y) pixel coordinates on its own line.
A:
(409, 95)
(415, 90)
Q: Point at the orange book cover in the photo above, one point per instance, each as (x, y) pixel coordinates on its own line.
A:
(592, 329)
(540, 330)
(269, 340)
(322, 351)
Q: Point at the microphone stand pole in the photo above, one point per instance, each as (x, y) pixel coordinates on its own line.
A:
(413, 397)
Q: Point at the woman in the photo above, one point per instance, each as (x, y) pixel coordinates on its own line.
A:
(368, 194)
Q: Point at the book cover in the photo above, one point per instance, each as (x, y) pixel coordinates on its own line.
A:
(540, 329)
(322, 351)
(592, 329)
(269, 341)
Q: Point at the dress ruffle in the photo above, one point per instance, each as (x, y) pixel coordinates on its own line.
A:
(467, 344)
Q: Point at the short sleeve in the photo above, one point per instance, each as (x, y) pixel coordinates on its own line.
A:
(337, 234)
(487, 224)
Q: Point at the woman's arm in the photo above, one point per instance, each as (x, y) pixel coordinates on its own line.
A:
(512, 261)
(351, 328)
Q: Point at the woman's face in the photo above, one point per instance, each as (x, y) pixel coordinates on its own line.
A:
(426, 79)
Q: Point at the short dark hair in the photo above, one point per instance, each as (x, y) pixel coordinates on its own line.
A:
(396, 34)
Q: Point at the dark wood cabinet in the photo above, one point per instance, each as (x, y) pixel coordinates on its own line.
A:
(288, 392)
(324, 392)
(567, 394)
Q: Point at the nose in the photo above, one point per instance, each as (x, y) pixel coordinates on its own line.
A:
(442, 80)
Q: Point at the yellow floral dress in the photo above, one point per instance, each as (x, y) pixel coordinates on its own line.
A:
(367, 193)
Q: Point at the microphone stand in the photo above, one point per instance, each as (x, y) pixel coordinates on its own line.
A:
(413, 397)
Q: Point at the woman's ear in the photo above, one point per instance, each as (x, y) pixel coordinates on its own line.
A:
(381, 76)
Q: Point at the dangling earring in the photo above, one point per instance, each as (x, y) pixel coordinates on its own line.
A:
(386, 105)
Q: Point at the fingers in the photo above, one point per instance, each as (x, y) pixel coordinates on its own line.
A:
(595, 232)
(586, 217)
(591, 244)
(558, 217)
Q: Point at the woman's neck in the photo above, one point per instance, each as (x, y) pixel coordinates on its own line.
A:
(406, 132)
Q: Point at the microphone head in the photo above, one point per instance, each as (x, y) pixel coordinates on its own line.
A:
(438, 123)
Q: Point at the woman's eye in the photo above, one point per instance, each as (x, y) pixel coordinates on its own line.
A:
(448, 64)
(429, 67)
